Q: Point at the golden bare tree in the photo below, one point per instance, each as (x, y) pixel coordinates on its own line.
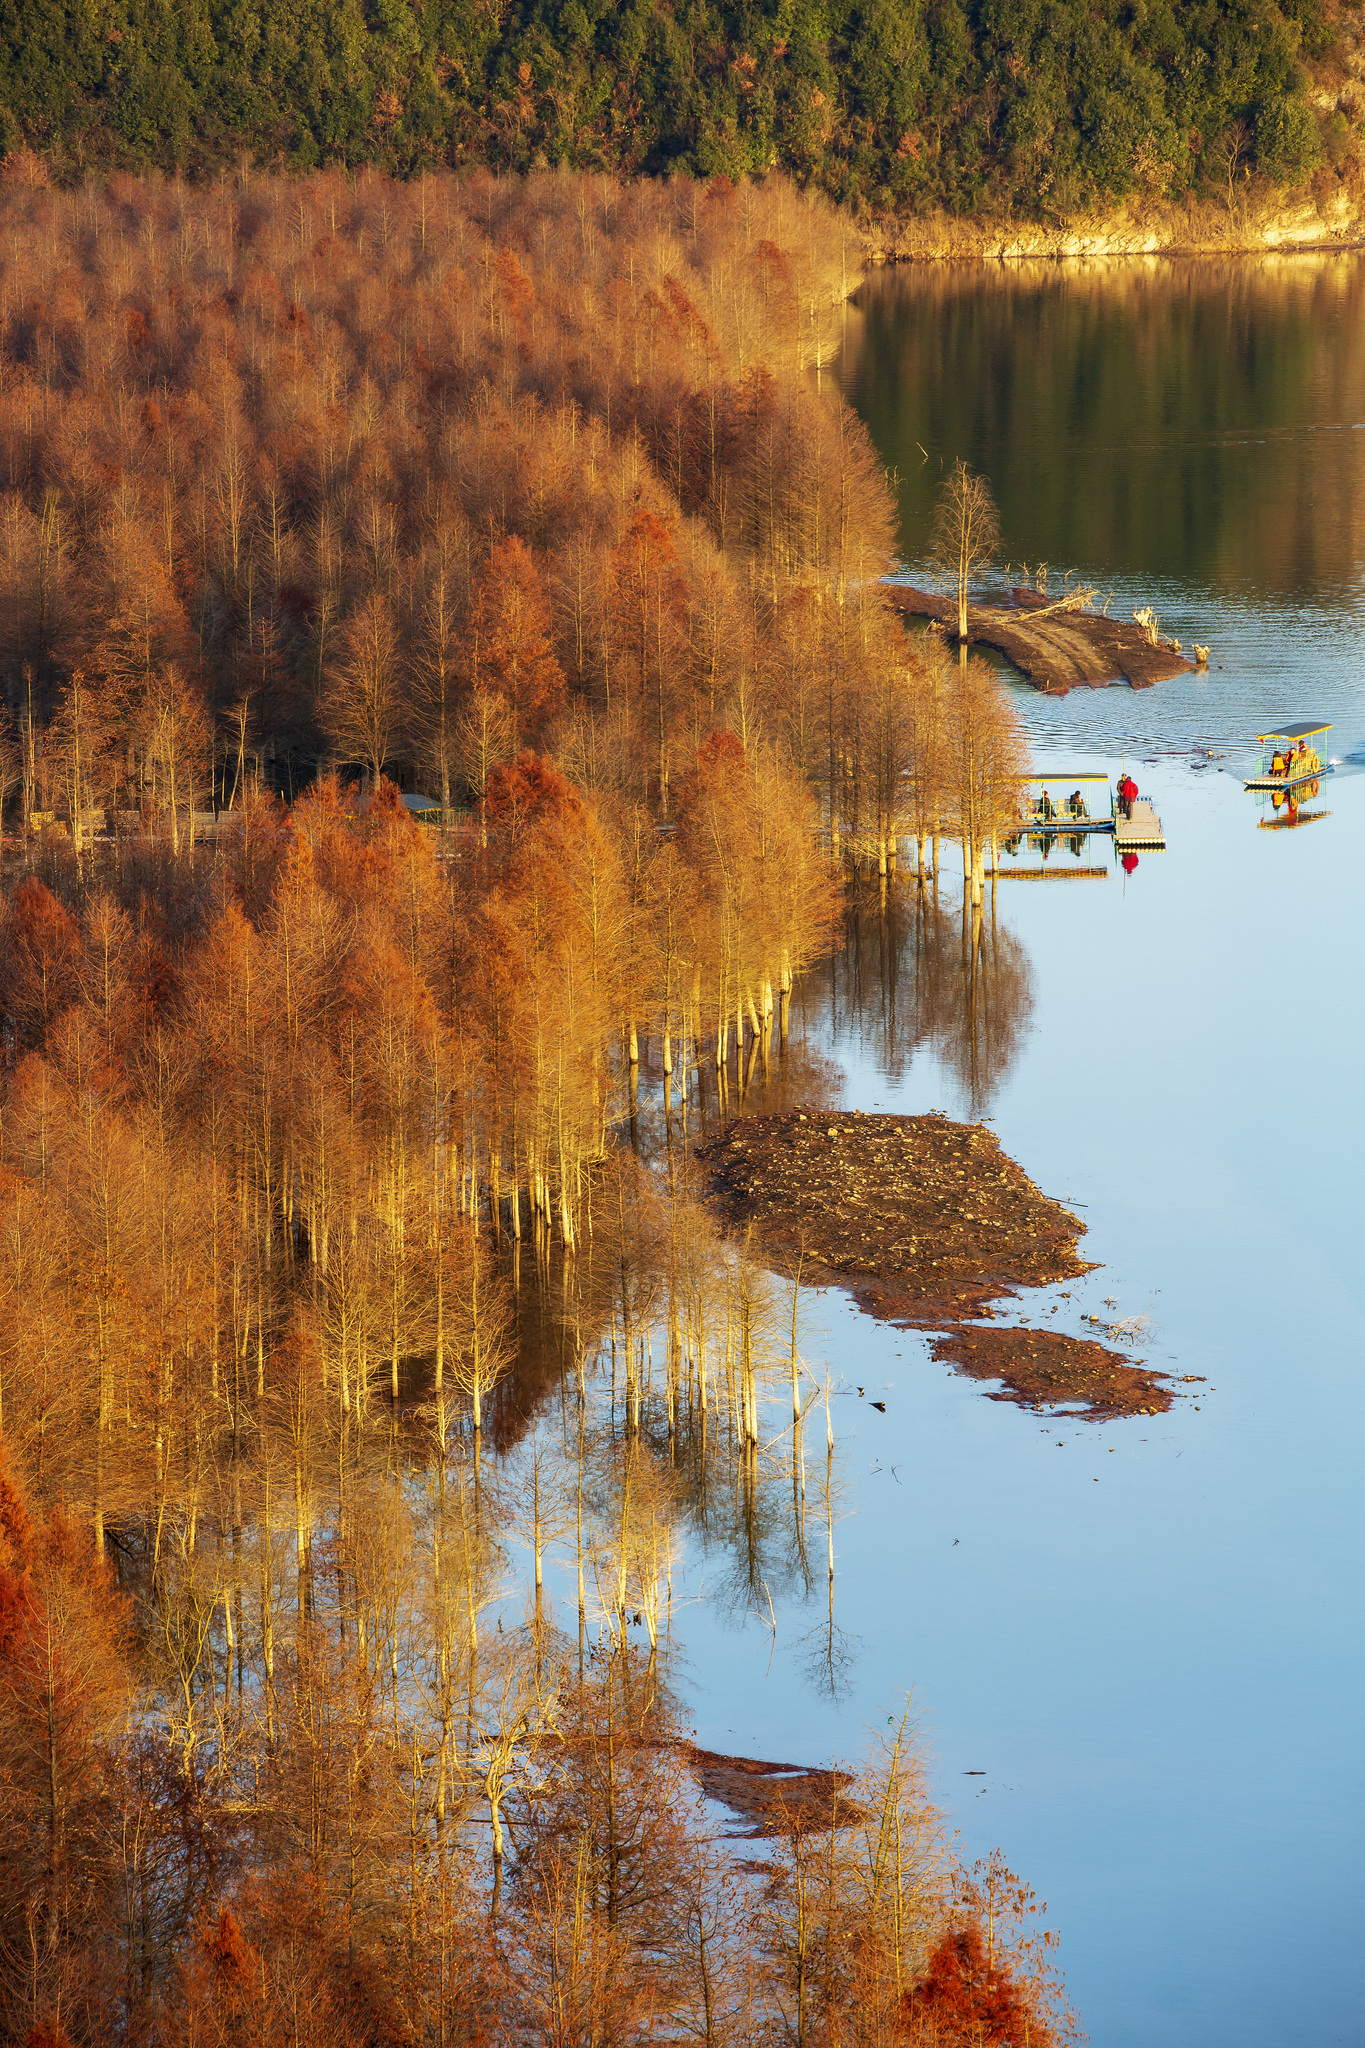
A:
(482, 736)
(364, 704)
(965, 535)
(175, 748)
(989, 758)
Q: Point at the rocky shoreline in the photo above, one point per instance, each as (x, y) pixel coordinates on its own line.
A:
(1327, 217)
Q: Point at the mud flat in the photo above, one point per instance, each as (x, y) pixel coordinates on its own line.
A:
(773, 1799)
(1056, 651)
(927, 1222)
(1047, 1368)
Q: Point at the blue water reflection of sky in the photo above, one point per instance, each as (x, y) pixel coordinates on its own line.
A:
(1147, 1634)
(1148, 1637)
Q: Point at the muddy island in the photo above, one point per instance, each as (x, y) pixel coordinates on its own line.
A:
(772, 1799)
(927, 1222)
(1053, 647)
(1049, 1369)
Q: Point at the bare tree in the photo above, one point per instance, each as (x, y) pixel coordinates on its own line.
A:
(966, 534)
(438, 637)
(363, 707)
(175, 745)
(483, 1349)
(78, 740)
(482, 735)
(1230, 152)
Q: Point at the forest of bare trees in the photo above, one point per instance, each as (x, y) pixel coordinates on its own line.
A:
(331, 1288)
(409, 479)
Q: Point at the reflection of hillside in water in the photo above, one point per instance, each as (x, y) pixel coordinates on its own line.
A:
(917, 975)
(1146, 417)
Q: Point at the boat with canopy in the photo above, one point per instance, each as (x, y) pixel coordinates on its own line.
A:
(1291, 755)
(1065, 802)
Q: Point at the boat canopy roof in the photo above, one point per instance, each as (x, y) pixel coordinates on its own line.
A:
(1308, 731)
(1061, 775)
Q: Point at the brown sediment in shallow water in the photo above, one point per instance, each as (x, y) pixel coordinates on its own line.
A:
(1041, 1368)
(774, 1798)
(926, 1221)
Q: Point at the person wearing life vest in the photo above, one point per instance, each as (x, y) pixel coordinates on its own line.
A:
(1128, 790)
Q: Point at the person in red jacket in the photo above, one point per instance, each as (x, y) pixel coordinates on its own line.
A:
(1128, 790)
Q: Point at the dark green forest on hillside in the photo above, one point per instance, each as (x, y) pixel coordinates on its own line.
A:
(1027, 106)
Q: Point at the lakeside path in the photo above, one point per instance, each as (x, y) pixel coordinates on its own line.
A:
(1054, 650)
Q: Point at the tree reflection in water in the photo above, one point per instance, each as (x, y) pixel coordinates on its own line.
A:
(685, 1403)
(995, 1003)
(917, 975)
(665, 1403)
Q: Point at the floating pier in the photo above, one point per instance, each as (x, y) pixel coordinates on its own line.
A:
(1140, 832)
(1054, 650)
(1063, 827)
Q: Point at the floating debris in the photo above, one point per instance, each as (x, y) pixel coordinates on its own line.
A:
(775, 1799)
(926, 1220)
(1056, 652)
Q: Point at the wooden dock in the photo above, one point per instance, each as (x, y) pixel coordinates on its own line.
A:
(1055, 653)
(1141, 831)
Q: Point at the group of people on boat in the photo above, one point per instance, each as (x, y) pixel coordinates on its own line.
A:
(1045, 811)
(1296, 761)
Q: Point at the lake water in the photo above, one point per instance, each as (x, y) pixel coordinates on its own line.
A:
(1146, 1635)
(1149, 1634)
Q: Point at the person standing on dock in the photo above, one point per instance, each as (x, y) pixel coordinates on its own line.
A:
(1128, 790)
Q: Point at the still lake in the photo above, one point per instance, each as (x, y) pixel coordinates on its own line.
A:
(1161, 1673)
(1145, 1634)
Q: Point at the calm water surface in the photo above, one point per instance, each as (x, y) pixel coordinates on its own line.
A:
(1147, 1634)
